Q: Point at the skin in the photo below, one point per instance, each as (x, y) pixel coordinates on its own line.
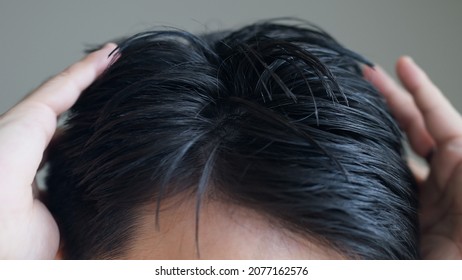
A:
(434, 129)
(27, 229)
(433, 126)
(226, 231)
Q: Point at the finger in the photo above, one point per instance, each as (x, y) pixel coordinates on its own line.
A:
(447, 163)
(27, 128)
(427, 193)
(419, 171)
(60, 92)
(442, 120)
(404, 109)
(54, 140)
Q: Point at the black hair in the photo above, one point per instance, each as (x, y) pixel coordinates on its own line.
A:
(276, 117)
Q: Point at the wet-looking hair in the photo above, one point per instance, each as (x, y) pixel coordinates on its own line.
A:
(274, 117)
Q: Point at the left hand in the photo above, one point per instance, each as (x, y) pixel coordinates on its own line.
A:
(27, 228)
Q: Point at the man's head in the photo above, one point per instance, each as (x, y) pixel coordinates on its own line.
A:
(271, 127)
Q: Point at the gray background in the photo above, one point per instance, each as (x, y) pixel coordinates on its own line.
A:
(39, 38)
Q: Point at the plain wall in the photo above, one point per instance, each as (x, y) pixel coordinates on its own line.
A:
(40, 38)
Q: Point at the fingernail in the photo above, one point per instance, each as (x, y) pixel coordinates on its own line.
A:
(113, 48)
(109, 45)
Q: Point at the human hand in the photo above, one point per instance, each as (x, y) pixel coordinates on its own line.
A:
(434, 130)
(27, 228)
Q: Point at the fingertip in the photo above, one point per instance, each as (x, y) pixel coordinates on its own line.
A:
(409, 73)
(374, 74)
(407, 64)
(104, 57)
(368, 72)
(113, 52)
(419, 169)
(379, 70)
(402, 61)
(379, 78)
(405, 59)
(106, 51)
(111, 48)
(109, 45)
